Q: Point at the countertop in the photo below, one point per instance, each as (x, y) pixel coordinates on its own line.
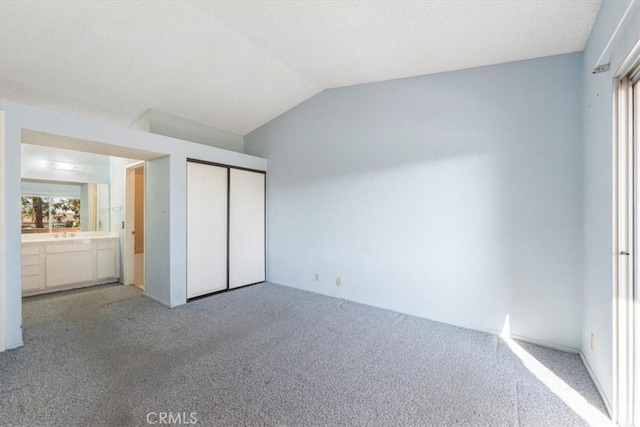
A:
(74, 239)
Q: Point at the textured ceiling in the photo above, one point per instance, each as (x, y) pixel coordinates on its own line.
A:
(237, 65)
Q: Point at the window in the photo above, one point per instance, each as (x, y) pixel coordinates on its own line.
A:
(49, 214)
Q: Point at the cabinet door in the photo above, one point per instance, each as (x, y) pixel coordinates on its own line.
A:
(206, 228)
(246, 228)
(107, 260)
(106, 264)
(68, 267)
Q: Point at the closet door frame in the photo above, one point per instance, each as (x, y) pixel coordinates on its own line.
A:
(229, 167)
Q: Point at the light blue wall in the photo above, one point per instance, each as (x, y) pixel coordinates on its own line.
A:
(598, 260)
(177, 127)
(34, 165)
(456, 197)
(157, 217)
(10, 203)
(177, 235)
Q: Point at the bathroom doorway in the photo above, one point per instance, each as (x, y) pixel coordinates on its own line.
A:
(134, 225)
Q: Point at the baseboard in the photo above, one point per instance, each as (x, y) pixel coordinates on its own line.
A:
(541, 343)
(158, 300)
(12, 345)
(70, 287)
(546, 344)
(607, 404)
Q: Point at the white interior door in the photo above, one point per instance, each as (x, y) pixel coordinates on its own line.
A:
(246, 228)
(207, 205)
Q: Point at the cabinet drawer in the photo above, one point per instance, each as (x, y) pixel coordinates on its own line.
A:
(31, 283)
(30, 260)
(73, 247)
(106, 245)
(31, 250)
(31, 270)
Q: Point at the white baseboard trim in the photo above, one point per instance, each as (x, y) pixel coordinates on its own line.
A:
(541, 343)
(607, 404)
(71, 287)
(158, 300)
(177, 304)
(12, 345)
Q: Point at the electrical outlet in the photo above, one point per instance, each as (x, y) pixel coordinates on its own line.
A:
(317, 278)
(593, 340)
(338, 281)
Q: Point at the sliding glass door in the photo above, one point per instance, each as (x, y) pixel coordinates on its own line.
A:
(626, 236)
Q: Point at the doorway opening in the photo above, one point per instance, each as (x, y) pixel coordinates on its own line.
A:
(55, 165)
(134, 225)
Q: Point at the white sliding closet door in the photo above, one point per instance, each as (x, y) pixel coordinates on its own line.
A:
(207, 203)
(246, 228)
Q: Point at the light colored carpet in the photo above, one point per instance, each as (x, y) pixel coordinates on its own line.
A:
(268, 355)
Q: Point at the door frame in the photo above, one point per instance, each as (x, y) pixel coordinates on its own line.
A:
(129, 222)
(3, 239)
(626, 217)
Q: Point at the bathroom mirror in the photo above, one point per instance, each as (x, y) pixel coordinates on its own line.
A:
(53, 207)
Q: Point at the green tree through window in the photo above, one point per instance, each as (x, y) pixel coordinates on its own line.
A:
(46, 214)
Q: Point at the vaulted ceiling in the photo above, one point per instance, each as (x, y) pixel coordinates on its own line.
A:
(236, 65)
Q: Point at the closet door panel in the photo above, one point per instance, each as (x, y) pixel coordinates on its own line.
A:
(207, 204)
(246, 228)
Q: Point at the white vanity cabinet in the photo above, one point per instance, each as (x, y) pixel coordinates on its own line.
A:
(58, 264)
